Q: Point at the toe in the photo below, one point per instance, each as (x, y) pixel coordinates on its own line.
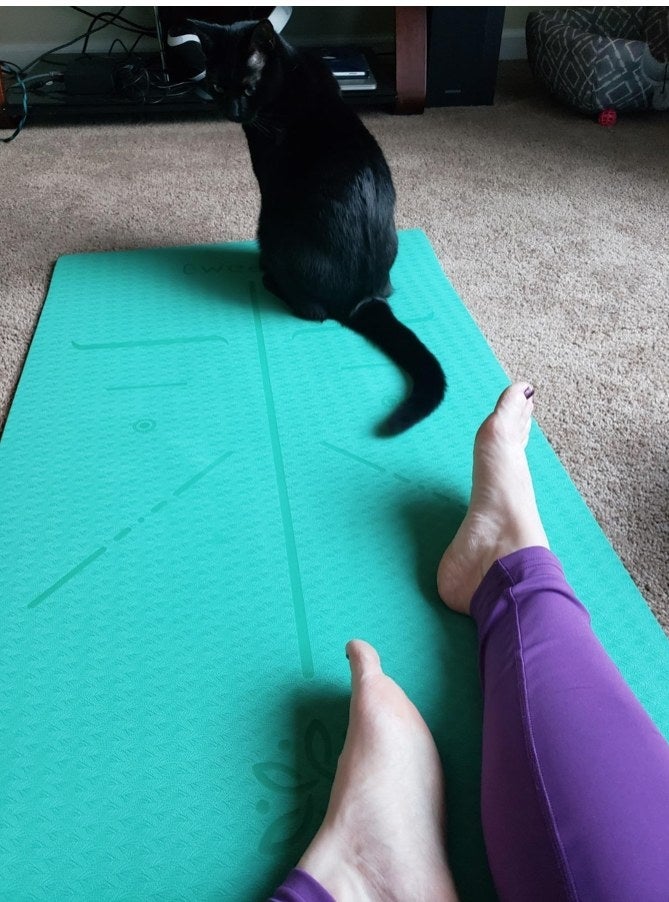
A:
(513, 412)
(364, 660)
(516, 399)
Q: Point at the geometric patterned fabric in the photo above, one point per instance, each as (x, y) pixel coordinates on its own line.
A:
(596, 58)
(656, 32)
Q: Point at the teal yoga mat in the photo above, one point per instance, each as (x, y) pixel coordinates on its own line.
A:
(196, 516)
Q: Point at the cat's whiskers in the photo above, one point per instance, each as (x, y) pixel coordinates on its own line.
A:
(267, 124)
(260, 126)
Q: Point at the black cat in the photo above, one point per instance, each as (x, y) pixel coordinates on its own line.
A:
(326, 228)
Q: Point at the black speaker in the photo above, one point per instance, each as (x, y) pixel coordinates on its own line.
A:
(462, 54)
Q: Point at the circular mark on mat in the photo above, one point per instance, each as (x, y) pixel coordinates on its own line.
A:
(144, 425)
(262, 807)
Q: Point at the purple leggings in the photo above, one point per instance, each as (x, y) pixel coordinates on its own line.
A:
(575, 777)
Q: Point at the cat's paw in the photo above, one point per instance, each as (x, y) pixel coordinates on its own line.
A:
(312, 311)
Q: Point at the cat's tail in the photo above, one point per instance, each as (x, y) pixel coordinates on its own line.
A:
(376, 322)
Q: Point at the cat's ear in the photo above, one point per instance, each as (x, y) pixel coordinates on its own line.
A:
(263, 36)
(210, 35)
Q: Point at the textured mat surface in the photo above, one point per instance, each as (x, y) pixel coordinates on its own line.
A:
(195, 516)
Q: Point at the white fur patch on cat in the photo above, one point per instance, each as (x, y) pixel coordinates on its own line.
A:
(257, 61)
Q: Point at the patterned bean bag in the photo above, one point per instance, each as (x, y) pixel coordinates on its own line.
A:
(596, 58)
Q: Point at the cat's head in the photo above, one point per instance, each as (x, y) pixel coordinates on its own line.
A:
(243, 73)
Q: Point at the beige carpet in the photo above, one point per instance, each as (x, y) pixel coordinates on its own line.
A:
(554, 231)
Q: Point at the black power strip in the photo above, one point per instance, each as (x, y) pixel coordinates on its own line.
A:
(91, 75)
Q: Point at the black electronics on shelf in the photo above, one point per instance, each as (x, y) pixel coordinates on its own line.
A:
(442, 56)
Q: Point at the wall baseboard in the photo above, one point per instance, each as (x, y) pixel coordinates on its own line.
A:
(513, 46)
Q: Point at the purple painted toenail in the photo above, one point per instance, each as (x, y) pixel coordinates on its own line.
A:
(529, 391)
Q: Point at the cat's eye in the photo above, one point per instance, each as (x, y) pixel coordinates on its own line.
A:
(248, 91)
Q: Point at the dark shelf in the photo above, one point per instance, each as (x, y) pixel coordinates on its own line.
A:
(442, 56)
(53, 105)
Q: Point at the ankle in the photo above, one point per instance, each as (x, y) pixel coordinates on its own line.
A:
(323, 860)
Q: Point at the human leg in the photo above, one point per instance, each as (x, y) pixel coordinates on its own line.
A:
(575, 781)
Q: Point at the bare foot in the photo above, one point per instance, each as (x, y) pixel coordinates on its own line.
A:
(383, 836)
(502, 516)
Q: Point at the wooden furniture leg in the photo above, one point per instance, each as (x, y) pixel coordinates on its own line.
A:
(410, 58)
